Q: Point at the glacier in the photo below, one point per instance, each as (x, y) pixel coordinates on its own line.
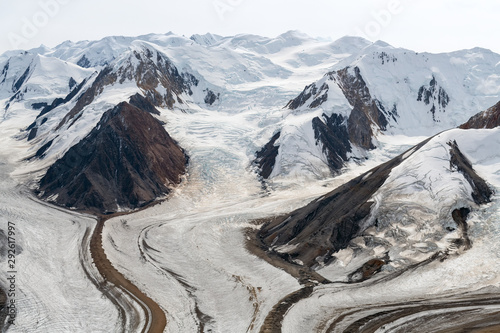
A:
(189, 253)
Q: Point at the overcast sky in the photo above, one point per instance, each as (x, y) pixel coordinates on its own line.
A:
(423, 25)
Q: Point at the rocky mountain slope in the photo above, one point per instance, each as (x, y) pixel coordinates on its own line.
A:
(127, 161)
(487, 119)
(382, 91)
(105, 155)
(370, 89)
(389, 215)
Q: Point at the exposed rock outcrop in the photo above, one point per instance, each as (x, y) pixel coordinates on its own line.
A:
(106, 77)
(365, 112)
(84, 62)
(460, 218)
(127, 161)
(151, 69)
(334, 138)
(155, 75)
(142, 103)
(357, 213)
(318, 96)
(266, 157)
(71, 83)
(486, 119)
(481, 192)
(328, 224)
(435, 96)
(5, 70)
(337, 133)
(366, 271)
(211, 97)
(17, 85)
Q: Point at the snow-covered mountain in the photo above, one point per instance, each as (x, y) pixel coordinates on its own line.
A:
(207, 72)
(37, 79)
(348, 187)
(389, 214)
(127, 161)
(370, 89)
(381, 91)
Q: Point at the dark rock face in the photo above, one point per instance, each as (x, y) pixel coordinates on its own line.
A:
(142, 103)
(38, 106)
(17, 96)
(266, 157)
(33, 129)
(386, 58)
(4, 72)
(319, 95)
(211, 97)
(328, 224)
(127, 161)
(365, 110)
(153, 70)
(460, 218)
(486, 119)
(40, 153)
(84, 62)
(71, 83)
(433, 95)
(303, 97)
(481, 193)
(359, 129)
(105, 77)
(149, 70)
(366, 271)
(17, 85)
(334, 138)
(335, 133)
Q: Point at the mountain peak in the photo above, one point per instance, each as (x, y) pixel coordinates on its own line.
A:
(127, 161)
(353, 40)
(297, 34)
(381, 43)
(350, 44)
(207, 39)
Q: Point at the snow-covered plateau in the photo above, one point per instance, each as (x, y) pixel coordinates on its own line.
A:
(275, 130)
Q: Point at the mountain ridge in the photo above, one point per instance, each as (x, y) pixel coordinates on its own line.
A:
(421, 90)
(127, 161)
(365, 187)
